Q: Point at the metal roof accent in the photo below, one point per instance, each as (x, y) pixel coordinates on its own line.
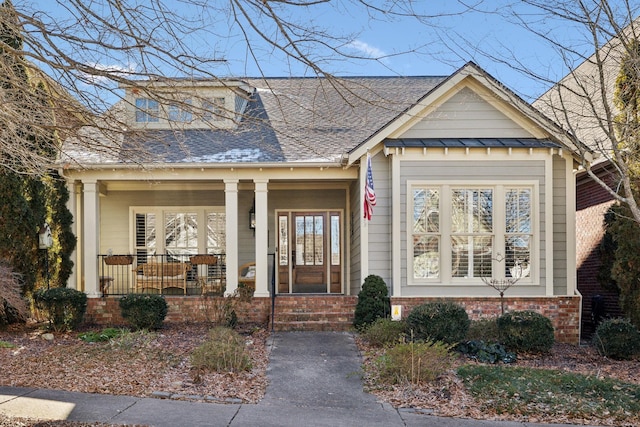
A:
(470, 143)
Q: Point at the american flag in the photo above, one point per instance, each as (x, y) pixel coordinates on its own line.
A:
(369, 193)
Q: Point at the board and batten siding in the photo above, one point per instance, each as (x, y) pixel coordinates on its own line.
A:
(466, 115)
(472, 171)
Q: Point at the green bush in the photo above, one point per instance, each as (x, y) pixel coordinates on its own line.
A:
(486, 352)
(373, 301)
(224, 351)
(484, 330)
(526, 331)
(439, 321)
(617, 339)
(383, 332)
(143, 311)
(106, 334)
(415, 362)
(63, 307)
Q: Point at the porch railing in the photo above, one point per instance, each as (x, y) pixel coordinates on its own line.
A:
(124, 274)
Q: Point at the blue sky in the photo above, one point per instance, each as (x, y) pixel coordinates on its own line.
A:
(438, 44)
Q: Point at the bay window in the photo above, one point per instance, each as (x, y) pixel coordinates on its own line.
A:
(461, 233)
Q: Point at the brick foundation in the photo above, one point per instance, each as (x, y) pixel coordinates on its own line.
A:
(106, 311)
(564, 312)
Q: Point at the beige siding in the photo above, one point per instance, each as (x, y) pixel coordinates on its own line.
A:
(466, 115)
(379, 227)
(354, 239)
(486, 171)
(115, 220)
(559, 227)
(114, 212)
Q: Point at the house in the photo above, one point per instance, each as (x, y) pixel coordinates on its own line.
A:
(470, 182)
(582, 102)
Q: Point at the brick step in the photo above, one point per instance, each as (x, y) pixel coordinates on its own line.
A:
(310, 316)
(314, 313)
(312, 326)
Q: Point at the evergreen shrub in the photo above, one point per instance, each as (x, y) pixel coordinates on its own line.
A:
(486, 352)
(63, 307)
(143, 311)
(373, 302)
(617, 339)
(484, 330)
(384, 331)
(526, 331)
(439, 321)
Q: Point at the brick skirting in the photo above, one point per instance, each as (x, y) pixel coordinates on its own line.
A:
(563, 311)
(106, 311)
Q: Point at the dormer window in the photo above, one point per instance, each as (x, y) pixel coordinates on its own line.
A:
(178, 113)
(213, 109)
(147, 110)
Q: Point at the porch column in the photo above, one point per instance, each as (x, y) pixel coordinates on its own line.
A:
(262, 239)
(231, 231)
(73, 208)
(90, 223)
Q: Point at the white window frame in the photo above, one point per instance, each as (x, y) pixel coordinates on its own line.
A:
(214, 109)
(160, 211)
(146, 113)
(180, 113)
(499, 232)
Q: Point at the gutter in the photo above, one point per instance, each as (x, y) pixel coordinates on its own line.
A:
(186, 165)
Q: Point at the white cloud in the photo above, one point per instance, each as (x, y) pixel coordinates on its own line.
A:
(367, 50)
(116, 70)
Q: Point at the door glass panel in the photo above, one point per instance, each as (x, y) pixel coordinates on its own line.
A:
(318, 240)
(300, 240)
(283, 243)
(308, 240)
(335, 240)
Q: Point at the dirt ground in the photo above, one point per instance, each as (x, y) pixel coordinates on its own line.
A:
(160, 362)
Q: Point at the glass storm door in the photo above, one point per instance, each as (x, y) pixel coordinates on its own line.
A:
(309, 252)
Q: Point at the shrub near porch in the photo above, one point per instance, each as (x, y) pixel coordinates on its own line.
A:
(563, 311)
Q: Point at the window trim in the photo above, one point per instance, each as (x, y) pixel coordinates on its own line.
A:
(160, 212)
(214, 109)
(179, 112)
(147, 114)
(499, 189)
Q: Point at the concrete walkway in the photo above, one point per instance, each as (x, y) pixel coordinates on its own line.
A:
(314, 380)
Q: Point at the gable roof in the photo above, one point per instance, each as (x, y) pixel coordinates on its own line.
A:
(288, 120)
(494, 92)
(311, 121)
(583, 100)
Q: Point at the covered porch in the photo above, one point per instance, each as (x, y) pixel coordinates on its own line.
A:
(207, 236)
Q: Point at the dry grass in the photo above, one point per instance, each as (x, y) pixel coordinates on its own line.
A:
(135, 364)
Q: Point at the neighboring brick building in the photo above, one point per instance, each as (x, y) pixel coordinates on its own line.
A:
(592, 202)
